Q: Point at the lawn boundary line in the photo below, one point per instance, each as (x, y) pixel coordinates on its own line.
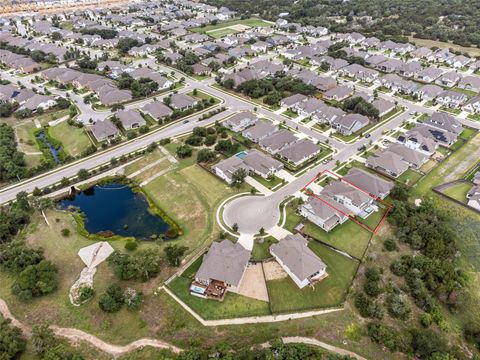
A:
(249, 319)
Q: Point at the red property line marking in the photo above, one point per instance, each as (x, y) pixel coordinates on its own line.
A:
(368, 228)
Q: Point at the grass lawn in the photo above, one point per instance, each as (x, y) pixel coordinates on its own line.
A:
(252, 22)
(458, 191)
(290, 114)
(474, 117)
(450, 110)
(285, 296)
(190, 195)
(219, 33)
(452, 168)
(270, 182)
(44, 119)
(261, 251)
(73, 139)
(410, 177)
(349, 236)
(28, 144)
(233, 305)
(467, 133)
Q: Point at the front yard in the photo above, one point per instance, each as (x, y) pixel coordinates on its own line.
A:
(74, 140)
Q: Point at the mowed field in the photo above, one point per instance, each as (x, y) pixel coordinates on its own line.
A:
(472, 51)
(74, 140)
(230, 27)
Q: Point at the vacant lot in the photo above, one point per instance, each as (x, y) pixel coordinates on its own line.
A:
(252, 22)
(285, 296)
(443, 45)
(74, 140)
(458, 191)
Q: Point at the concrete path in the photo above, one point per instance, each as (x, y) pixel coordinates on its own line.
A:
(149, 166)
(279, 232)
(246, 240)
(257, 185)
(157, 175)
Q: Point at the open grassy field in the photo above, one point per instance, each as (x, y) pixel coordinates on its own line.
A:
(472, 51)
(285, 296)
(233, 305)
(220, 33)
(28, 144)
(452, 168)
(458, 191)
(44, 119)
(74, 139)
(349, 236)
(251, 22)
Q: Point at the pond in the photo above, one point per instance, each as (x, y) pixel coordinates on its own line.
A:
(54, 151)
(117, 208)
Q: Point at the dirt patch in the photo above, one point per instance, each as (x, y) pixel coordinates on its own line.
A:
(253, 284)
(239, 27)
(273, 271)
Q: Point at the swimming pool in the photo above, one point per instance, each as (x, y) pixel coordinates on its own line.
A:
(241, 154)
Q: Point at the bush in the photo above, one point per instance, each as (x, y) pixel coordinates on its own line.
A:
(36, 280)
(381, 334)
(133, 299)
(184, 151)
(85, 293)
(15, 257)
(112, 299)
(397, 307)
(426, 320)
(12, 343)
(65, 232)
(390, 245)
(131, 245)
(174, 253)
(142, 265)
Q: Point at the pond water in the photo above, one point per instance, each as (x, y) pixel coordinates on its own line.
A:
(116, 207)
(43, 138)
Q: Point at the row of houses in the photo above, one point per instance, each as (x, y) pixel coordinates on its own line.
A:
(416, 146)
(25, 98)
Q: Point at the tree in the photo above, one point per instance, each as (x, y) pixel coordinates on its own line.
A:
(238, 177)
(184, 151)
(133, 299)
(23, 113)
(36, 280)
(141, 265)
(125, 44)
(12, 343)
(400, 192)
(15, 256)
(205, 155)
(112, 299)
(83, 174)
(43, 339)
(174, 253)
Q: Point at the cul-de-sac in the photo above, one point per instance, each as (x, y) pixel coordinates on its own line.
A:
(251, 180)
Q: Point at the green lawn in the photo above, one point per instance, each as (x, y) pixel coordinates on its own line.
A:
(410, 177)
(233, 305)
(458, 191)
(220, 33)
(252, 22)
(290, 114)
(463, 158)
(349, 236)
(270, 182)
(73, 139)
(285, 296)
(261, 251)
(467, 133)
(474, 117)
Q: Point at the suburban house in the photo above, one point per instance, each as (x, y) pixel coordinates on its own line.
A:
(416, 140)
(278, 141)
(300, 152)
(37, 101)
(202, 70)
(324, 212)
(260, 130)
(338, 93)
(290, 102)
(451, 99)
(222, 270)
(383, 106)
(470, 82)
(104, 130)
(302, 265)
(356, 201)
(387, 163)
(445, 122)
(429, 74)
(261, 164)
(130, 119)
(328, 114)
(350, 123)
(226, 168)
(240, 121)
(413, 158)
(449, 79)
(157, 110)
(182, 102)
(472, 105)
(371, 183)
(429, 92)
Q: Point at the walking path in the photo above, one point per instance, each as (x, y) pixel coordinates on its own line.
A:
(75, 335)
(145, 168)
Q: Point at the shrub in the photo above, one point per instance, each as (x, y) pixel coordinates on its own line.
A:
(65, 232)
(184, 151)
(397, 307)
(85, 293)
(390, 245)
(133, 299)
(381, 334)
(174, 253)
(426, 320)
(142, 265)
(112, 299)
(12, 343)
(36, 280)
(131, 244)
